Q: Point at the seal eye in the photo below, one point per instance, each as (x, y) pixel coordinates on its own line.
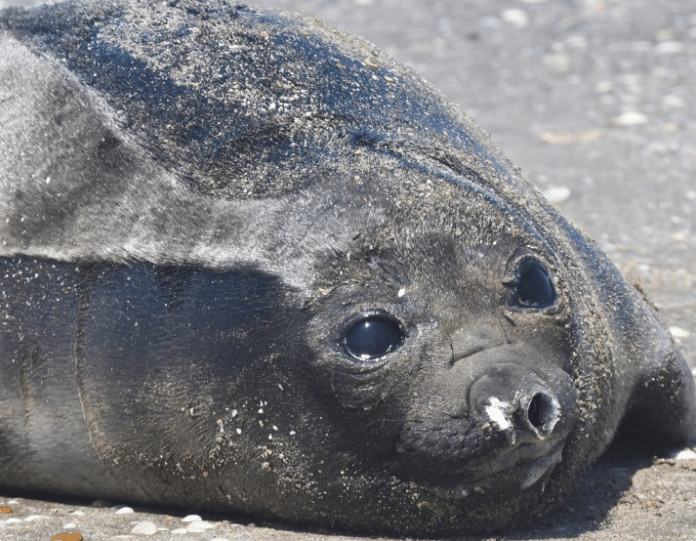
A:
(534, 288)
(373, 337)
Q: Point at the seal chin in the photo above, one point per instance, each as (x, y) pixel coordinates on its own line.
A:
(518, 470)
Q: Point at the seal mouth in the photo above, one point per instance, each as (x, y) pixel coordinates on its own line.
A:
(521, 456)
(517, 470)
(539, 468)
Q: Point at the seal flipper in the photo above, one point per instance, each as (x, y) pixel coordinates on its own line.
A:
(662, 409)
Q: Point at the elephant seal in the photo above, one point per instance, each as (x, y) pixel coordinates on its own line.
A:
(251, 264)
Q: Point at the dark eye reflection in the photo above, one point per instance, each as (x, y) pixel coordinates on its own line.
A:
(373, 337)
(533, 287)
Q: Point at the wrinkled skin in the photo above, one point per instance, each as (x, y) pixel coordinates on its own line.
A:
(250, 264)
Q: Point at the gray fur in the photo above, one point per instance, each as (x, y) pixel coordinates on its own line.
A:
(150, 151)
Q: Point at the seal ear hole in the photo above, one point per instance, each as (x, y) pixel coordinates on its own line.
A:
(373, 337)
(533, 287)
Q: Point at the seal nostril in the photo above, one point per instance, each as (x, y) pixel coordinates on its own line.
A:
(542, 409)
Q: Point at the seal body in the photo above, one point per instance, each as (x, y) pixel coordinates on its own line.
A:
(250, 264)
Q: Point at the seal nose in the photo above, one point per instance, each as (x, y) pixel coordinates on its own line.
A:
(523, 406)
(543, 412)
(528, 417)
